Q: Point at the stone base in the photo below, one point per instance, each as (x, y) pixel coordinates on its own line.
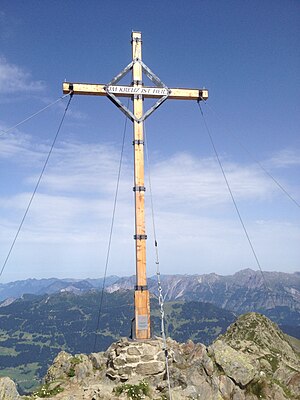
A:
(128, 359)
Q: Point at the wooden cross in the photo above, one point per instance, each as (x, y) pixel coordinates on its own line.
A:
(137, 92)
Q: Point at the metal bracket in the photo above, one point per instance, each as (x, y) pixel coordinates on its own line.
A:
(137, 82)
(154, 79)
(140, 237)
(138, 141)
(137, 40)
(142, 287)
(139, 189)
(138, 97)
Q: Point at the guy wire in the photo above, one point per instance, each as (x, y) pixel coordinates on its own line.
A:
(37, 185)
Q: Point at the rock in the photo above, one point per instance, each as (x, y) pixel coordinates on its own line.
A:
(234, 364)
(263, 343)
(240, 395)
(54, 385)
(208, 365)
(133, 351)
(226, 387)
(150, 368)
(294, 383)
(207, 391)
(8, 390)
(98, 360)
(60, 367)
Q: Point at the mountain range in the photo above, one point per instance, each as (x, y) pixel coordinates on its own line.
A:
(238, 292)
(275, 294)
(16, 289)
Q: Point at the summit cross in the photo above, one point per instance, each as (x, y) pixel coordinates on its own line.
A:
(137, 92)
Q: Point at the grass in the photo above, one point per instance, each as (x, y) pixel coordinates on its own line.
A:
(273, 361)
(74, 361)
(257, 388)
(8, 351)
(134, 392)
(286, 390)
(45, 391)
(25, 375)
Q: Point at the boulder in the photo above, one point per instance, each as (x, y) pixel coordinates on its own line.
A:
(60, 367)
(8, 390)
(233, 363)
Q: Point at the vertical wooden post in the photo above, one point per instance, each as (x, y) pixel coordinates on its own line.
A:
(141, 296)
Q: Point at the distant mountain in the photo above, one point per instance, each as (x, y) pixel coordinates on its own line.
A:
(35, 328)
(17, 289)
(276, 294)
(240, 293)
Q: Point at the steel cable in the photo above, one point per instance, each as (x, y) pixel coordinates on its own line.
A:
(160, 291)
(36, 186)
(280, 186)
(268, 289)
(110, 234)
(33, 115)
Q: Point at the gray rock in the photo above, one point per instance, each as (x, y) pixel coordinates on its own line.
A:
(98, 360)
(226, 387)
(133, 351)
(60, 367)
(235, 364)
(150, 368)
(8, 390)
(240, 395)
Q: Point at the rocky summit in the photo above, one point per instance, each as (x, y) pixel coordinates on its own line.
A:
(252, 360)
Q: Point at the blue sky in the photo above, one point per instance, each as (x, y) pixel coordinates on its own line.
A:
(245, 52)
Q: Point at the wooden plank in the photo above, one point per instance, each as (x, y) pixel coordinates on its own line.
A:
(96, 89)
(85, 88)
(142, 310)
(188, 94)
(138, 135)
(141, 297)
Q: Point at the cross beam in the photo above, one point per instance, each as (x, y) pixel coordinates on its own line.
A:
(99, 89)
(137, 91)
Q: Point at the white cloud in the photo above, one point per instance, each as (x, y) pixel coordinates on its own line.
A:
(58, 218)
(285, 158)
(73, 208)
(14, 79)
(92, 169)
(199, 182)
(18, 147)
(84, 168)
